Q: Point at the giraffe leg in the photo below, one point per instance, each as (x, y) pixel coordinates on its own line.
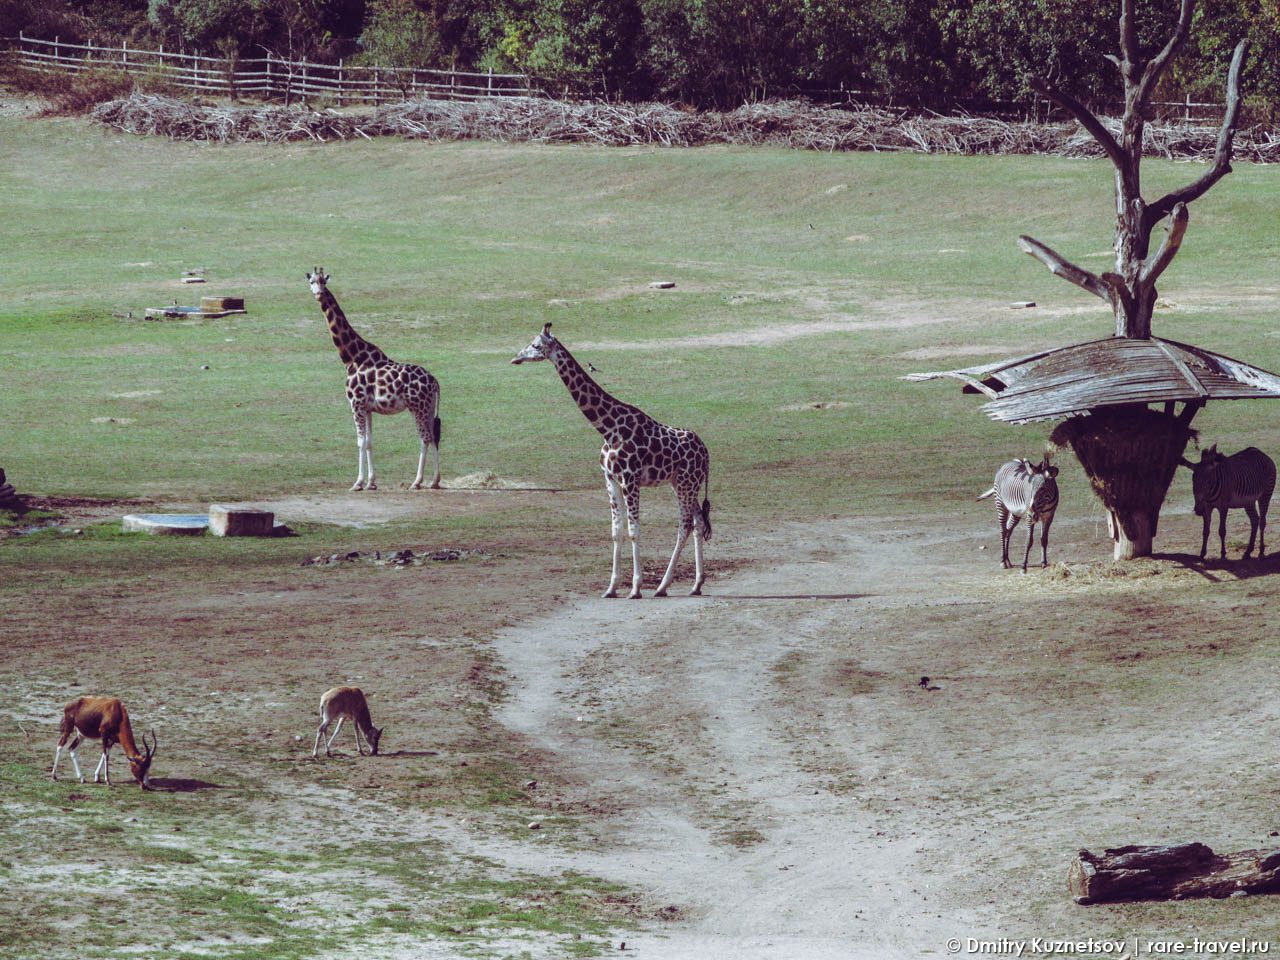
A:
(687, 512)
(426, 435)
(682, 535)
(362, 436)
(372, 483)
(698, 577)
(422, 465)
(632, 494)
(615, 511)
(435, 451)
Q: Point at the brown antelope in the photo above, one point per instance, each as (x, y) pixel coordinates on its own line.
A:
(343, 703)
(105, 719)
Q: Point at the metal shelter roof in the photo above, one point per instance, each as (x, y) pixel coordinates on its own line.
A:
(1069, 381)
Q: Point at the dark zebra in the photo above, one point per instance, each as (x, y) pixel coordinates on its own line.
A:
(1023, 489)
(1245, 479)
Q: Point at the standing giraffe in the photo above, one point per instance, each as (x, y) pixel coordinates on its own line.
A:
(377, 384)
(638, 452)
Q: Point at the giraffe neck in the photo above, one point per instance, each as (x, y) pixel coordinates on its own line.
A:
(604, 411)
(352, 348)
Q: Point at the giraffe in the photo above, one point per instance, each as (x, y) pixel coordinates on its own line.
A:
(638, 452)
(377, 384)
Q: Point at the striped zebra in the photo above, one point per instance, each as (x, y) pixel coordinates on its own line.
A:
(1245, 479)
(1023, 489)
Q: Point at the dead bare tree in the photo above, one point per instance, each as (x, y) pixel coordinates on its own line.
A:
(1130, 452)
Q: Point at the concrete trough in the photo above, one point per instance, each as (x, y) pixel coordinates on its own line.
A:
(167, 524)
(227, 521)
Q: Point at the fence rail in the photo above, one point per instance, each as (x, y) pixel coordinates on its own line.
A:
(271, 76)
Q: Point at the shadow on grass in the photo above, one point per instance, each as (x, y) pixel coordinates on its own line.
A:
(181, 785)
(790, 596)
(1230, 568)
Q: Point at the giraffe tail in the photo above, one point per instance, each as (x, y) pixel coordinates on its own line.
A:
(435, 432)
(704, 515)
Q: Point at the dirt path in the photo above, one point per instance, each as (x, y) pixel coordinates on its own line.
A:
(775, 768)
(733, 814)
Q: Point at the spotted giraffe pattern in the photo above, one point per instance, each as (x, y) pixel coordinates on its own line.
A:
(378, 384)
(638, 452)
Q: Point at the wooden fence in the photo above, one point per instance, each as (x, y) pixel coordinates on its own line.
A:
(271, 77)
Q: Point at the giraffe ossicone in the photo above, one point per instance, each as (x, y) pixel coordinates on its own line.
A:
(378, 384)
(638, 452)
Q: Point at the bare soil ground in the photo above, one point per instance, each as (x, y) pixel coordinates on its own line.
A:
(760, 764)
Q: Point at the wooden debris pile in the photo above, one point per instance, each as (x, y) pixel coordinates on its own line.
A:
(795, 124)
(1171, 873)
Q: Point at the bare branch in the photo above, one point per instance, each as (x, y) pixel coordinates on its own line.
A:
(1061, 267)
(1222, 154)
(1085, 116)
(1156, 263)
(1118, 293)
(1155, 66)
(1128, 41)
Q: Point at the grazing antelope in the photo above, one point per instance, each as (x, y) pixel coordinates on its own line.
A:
(346, 703)
(105, 719)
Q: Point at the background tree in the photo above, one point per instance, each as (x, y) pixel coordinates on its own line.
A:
(1129, 452)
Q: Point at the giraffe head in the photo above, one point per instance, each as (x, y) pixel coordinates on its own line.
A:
(317, 281)
(541, 347)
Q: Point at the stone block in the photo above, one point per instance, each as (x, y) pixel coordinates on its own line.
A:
(240, 522)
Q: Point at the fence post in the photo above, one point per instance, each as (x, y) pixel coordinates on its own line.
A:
(340, 63)
(490, 91)
(124, 54)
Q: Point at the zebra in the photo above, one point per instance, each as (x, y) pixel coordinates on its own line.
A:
(1023, 489)
(1245, 479)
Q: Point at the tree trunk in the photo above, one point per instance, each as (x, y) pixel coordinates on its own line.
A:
(1171, 873)
(1130, 455)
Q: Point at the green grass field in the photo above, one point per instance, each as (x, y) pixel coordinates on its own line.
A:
(453, 256)
(806, 284)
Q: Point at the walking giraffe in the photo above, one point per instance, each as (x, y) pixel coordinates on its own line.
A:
(638, 452)
(377, 384)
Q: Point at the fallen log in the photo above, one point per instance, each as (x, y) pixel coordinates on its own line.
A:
(1171, 873)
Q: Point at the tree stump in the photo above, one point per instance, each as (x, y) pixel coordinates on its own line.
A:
(1130, 455)
(1171, 873)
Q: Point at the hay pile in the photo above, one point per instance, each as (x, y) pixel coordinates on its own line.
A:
(785, 123)
(1130, 455)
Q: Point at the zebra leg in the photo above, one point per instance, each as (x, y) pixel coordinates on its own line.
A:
(1204, 540)
(1006, 535)
(1031, 539)
(1252, 511)
(1044, 541)
(1222, 530)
